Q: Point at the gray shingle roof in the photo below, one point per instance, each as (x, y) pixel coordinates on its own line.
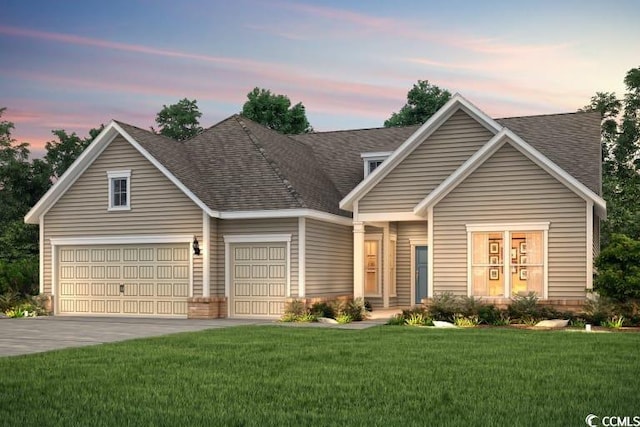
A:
(570, 140)
(239, 165)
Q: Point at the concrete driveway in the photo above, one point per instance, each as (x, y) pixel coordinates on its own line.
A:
(35, 335)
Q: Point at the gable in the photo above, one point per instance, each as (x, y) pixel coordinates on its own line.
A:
(430, 163)
(153, 199)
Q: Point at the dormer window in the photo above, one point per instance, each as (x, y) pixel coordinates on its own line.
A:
(119, 190)
(373, 160)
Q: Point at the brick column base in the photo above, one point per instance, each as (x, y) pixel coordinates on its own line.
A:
(206, 307)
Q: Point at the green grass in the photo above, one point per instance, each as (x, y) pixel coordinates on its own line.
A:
(316, 376)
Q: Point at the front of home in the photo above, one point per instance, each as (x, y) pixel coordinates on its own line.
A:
(239, 219)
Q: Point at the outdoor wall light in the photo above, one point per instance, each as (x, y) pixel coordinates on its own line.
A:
(196, 246)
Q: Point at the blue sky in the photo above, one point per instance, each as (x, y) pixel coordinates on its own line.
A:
(76, 64)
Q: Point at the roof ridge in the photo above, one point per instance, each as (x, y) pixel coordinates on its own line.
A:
(353, 130)
(147, 131)
(545, 115)
(272, 164)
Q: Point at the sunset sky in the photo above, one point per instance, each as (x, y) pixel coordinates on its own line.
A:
(75, 64)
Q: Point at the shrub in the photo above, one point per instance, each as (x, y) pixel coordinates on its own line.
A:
(322, 309)
(295, 307)
(614, 322)
(418, 319)
(502, 320)
(307, 318)
(21, 276)
(8, 300)
(344, 319)
(354, 309)
(443, 307)
(397, 320)
(289, 317)
(599, 309)
(618, 267)
(524, 308)
(489, 314)
(466, 321)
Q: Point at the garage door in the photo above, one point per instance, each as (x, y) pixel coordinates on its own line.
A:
(259, 279)
(126, 280)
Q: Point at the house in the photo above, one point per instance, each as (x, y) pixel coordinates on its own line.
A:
(238, 219)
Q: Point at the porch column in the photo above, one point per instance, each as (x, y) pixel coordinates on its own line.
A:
(386, 269)
(358, 260)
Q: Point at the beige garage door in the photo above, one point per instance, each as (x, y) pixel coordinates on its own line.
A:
(259, 279)
(126, 280)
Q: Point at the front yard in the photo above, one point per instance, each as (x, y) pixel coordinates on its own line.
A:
(276, 375)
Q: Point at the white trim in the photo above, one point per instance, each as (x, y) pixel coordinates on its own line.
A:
(480, 156)
(509, 226)
(358, 259)
(122, 240)
(456, 102)
(374, 237)
(302, 249)
(206, 253)
(376, 155)
(386, 265)
(256, 238)
(54, 277)
(430, 284)
(589, 245)
(413, 243)
(388, 217)
(286, 213)
(41, 251)
(230, 239)
(119, 174)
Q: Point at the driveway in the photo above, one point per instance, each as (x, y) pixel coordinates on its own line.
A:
(35, 335)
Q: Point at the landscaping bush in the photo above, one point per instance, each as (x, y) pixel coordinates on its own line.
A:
(598, 310)
(323, 309)
(524, 308)
(618, 267)
(354, 309)
(21, 276)
(443, 307)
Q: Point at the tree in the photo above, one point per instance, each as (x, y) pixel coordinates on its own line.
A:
(618, 266)
(179, 121)
(62, 153)
(275, 112)
(621, 157)
(423, 100)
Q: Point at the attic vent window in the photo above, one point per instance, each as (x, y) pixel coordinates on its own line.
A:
(119, 190)
(373, 160)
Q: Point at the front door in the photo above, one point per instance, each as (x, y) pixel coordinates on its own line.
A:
(421, 263)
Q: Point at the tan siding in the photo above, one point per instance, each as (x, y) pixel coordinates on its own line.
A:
(510, 188)
(427, 166)
(329, 259)
(257, 226)
(406, 231)
(158, 207)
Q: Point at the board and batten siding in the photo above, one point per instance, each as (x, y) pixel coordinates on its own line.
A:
(406, 232)
(158, 207)
(329, 259)
(510, 188)
(254, 226)
(427, 166)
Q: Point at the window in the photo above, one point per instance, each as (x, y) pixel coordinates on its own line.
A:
(507, 262)
(373, 160)
(119, 190)
(372, 278)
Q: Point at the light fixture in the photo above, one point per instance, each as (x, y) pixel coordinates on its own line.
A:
(196, 246)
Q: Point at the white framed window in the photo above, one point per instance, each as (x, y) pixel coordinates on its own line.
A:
(373, 160)
(372, 265)
(506, 260)
(119, 190)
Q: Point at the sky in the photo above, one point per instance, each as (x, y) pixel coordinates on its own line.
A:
(76, 64)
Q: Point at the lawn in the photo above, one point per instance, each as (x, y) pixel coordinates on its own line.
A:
(277, 375)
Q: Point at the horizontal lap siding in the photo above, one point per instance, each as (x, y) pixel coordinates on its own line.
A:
(256, 226)
(215, 287)
(158, 207)
(510, 188)
(406, 231)
(329, 259)
(427, 166)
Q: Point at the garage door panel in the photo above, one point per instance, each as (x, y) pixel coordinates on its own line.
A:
(124, 280)
(259, 281)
